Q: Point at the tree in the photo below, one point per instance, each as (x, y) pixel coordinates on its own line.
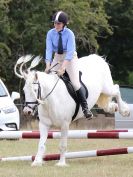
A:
(88, 21)
(27, 24)
(5, 51)
(29, 20)
(118, 47)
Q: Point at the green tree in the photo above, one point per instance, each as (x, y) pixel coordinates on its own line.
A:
(27, 24)
(118, 47)
(88, 20)
(5, 51)
(29, 20)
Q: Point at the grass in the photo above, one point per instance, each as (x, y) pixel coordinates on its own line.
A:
(109, 166)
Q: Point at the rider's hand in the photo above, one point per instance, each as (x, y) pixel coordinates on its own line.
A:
(47, 69)
(61, 71)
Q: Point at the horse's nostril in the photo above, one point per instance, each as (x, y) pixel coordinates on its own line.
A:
(29, 112)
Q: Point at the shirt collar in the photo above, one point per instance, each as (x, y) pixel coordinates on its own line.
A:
(64, 29)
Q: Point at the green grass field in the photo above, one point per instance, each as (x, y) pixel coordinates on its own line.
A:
(109, 166)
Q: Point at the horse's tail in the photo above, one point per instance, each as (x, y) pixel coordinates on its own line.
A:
(103, 101)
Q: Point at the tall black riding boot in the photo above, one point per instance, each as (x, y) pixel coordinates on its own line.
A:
(82, 99)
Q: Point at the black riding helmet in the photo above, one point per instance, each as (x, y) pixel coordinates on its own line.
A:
(60, 16)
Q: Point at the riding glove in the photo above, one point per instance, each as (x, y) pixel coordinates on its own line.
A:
(60, 71)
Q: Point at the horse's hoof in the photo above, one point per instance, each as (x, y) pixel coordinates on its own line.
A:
(36, 163)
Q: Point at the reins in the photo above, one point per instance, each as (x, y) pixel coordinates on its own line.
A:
(52, 89)
(50, 70)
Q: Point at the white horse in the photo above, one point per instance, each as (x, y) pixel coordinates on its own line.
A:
(56, 106)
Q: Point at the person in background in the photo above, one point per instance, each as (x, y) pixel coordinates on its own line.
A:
(60, 41)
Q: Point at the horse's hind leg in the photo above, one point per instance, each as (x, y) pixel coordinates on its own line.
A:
(114, 91)
(63, 145)
(123, 106)
(41, 146)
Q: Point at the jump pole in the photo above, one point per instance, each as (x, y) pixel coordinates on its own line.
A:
(71, 134)
(73, 155)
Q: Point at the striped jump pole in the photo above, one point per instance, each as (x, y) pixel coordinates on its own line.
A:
(73, 155)
(88, 130)
(115, 130)
(71, 134)
(35, 133)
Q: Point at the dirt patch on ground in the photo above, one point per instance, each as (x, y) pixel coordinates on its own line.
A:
(99, 122)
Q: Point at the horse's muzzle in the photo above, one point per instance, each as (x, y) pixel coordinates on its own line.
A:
(27, 111)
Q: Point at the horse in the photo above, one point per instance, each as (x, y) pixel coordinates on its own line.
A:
(55, 105)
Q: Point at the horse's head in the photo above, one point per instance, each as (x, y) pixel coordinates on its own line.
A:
(31, 88)
(32, 93)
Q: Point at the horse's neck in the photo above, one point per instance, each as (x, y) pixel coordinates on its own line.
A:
(59, 104)
(46, 80)
(49, 82)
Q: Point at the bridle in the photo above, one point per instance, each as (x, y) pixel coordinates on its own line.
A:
(36, 103)
(35, 107)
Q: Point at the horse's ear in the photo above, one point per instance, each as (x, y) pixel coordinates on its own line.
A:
(25, 75)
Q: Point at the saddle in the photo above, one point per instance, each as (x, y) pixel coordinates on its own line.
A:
(72, 91)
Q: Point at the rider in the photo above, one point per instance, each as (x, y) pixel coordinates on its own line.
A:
(67, 57)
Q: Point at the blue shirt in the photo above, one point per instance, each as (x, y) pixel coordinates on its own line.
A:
(68, 41)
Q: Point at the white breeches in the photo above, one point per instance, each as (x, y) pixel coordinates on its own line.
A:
(72, 68)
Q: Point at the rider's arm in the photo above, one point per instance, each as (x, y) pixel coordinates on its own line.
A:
(49, 48)
(71, 46)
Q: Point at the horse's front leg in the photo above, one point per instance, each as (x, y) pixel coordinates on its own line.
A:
(63, 145)
(41, 146)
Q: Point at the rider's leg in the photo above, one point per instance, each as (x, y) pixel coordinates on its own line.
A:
(83, 102)
(73, 72)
